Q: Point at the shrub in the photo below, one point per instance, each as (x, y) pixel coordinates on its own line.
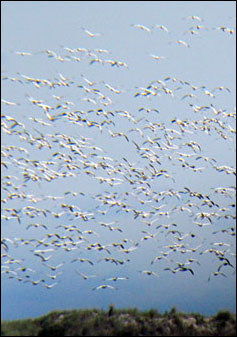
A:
(151, 313)
(223, 316)
(172, 312)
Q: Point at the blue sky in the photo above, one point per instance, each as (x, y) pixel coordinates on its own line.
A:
(105, 123)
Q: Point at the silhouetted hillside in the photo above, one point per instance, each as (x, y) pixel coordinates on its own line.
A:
(122, 322)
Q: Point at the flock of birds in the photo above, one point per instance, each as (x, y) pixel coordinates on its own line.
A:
(129, 188)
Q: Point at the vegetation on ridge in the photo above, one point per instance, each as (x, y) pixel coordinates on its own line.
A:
(122, 322)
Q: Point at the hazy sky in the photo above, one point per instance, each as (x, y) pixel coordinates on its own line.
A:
(117, 77)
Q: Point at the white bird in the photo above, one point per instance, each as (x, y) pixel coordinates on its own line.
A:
(84, 276)
(104, 286)
(44, 259)
(90, 33)
(35, 282)
(148, 272)
(22, 53)
(49, 286)
(142, 27)
(185, 44)
(194, 17)
(36, 225)
(8, 103)
(53, 267)
(216, 273)
(116, 278)
(53, 277)
(156, 57)
(162, 27)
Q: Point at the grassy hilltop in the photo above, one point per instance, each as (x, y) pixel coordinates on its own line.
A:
(122, 322)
